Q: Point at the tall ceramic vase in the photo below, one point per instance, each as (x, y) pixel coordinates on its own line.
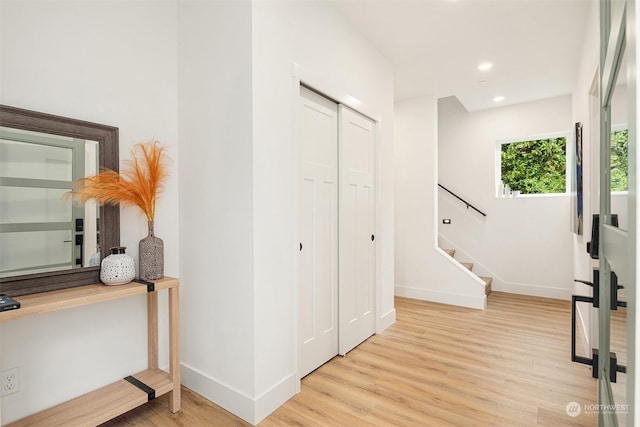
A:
(151, 253)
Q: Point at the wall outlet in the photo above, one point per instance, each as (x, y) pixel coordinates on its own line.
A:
(9, 381)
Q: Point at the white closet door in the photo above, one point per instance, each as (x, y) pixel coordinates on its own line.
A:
(357, 229)
(318, 263)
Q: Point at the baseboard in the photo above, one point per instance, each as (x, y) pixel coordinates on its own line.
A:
(442, 297)
(273, 398)
(236, 402)
(532, 290)
(386, 320)
(221, 394)
(499, 284)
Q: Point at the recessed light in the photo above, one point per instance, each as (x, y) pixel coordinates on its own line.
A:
(498, 98)
(485, 66)
(483, 82)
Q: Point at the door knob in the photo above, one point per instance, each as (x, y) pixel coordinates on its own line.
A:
(373, 237)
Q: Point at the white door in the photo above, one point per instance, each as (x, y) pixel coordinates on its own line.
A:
(318, 262)
(357, 229)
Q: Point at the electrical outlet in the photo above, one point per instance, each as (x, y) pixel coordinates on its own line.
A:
(9, 381)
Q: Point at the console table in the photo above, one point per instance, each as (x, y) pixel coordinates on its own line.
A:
(108, 402)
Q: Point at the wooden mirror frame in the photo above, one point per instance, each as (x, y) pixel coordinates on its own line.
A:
(107, 138)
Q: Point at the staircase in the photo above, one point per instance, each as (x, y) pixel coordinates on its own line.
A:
(469, 265)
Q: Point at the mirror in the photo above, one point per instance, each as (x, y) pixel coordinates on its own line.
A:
(48, 242)
(41, 229)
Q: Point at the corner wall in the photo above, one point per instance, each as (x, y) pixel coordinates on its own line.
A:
(524, 242)
(422, 270)
(216, 191)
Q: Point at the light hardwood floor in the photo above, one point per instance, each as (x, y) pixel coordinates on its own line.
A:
(438, 365)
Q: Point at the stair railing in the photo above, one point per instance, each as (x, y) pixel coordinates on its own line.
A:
(469, 205)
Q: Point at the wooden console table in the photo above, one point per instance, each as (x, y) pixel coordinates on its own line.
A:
(108, 402)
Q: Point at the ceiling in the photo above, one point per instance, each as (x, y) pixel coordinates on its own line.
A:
(436, 46)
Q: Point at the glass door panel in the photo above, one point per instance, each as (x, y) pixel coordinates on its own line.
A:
(617, 218)
(619, 205)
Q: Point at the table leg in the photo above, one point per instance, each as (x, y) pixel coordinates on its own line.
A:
(175, 402)
(152, 327)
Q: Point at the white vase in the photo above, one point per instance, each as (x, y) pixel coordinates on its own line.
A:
(117, 268)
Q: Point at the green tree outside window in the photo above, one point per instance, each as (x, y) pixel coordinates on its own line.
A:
(535, 167)
(619, 160)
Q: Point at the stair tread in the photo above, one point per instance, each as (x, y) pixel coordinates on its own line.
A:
(487, 280)
(487, 284)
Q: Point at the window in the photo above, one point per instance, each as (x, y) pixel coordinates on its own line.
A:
(534, 166)
(619, 159)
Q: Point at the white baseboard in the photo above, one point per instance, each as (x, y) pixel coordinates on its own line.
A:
(386, 320)
(236, 402)
(273, 398)
(499, 284)
(532, 290)
(442, 297)
(221, 394)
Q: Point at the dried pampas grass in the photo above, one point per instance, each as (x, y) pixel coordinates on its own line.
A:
(138, 184)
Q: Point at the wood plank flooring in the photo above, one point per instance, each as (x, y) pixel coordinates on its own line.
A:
(438, 365)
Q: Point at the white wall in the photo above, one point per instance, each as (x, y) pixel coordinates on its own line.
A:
(216, 231)
(239, 245)
(524, 242)
(422, 270)
(112, 63)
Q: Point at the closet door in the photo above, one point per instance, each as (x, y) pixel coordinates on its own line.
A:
(318, 262)
(357, 229)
